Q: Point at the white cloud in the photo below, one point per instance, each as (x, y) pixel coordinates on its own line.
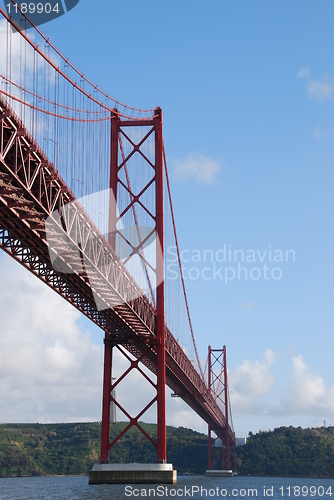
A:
(249, 382)
(317, 89)
(178, 414)
(253, 387)
(18, 63)
(21, 53)
(50, 369)
(303, 73)
(249, 306)
(320, 90)
(202, 169)
(15, 40)
(318, 134)
(307, 393)
(258, 402)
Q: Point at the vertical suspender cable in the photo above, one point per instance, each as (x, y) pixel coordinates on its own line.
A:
(179, 260)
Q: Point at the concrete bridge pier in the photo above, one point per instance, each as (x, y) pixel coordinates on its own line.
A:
(133, 474)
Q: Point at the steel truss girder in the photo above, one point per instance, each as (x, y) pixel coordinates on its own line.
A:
(39, 183)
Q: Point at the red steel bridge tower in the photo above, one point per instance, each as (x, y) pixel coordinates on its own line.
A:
(218, 384)
(119, 164)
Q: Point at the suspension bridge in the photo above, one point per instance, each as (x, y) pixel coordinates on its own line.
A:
(85, 205)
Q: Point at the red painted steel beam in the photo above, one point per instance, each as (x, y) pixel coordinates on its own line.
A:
(209, 428)
(142, 122)
(227, 438)
(106, 399)
(160, 304)
(113, 178)
(133, 421)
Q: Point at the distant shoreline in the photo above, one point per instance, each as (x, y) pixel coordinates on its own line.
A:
(71, 449)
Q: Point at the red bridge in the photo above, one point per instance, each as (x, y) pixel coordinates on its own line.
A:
(85, 205)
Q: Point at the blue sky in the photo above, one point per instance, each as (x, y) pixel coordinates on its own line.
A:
(247, 92)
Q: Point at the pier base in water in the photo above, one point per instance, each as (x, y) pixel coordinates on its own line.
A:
(133, 474)
(219, 473)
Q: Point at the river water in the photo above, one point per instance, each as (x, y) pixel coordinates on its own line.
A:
(77, 488)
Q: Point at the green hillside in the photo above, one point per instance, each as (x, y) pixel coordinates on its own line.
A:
(40, 449)
(289, 452)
